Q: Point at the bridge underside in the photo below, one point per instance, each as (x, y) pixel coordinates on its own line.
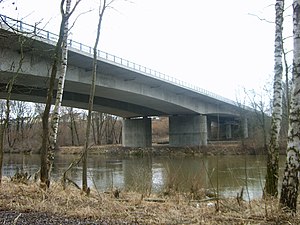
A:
(77, 100)
(184, 130)
(33, 88)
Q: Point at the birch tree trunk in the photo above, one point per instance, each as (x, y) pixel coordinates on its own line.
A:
(60, 87)
(46, 155)
(45, 161)
(61, 78)
(91, 102)
(271, 185)
(290, 182)
(62, 72)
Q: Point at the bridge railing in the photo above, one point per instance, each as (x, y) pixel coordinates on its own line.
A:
(20, 26)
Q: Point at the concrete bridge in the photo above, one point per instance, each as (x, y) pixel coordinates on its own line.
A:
(123, 88)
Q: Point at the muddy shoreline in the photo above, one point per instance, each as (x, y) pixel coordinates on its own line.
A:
(214, 148)
(230, 148)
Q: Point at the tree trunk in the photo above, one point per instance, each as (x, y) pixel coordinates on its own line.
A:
(271, 185)
(76, 131)
(45, 182)
(45, 156)
(61, 77)
(60, 86)
(71, 125)
(99, 125)
(91, 102)
(290, 182)
(94, 127)
(2, 128)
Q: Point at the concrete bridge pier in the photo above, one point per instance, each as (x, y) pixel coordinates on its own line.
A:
(245, 127)
(137, 132)
(187, 130)
(209, 122)
(228, 131)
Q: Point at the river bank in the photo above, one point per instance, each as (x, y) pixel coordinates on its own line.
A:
(26, 203)
(213, 148)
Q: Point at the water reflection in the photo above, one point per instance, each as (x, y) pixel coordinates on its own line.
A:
(156, 174)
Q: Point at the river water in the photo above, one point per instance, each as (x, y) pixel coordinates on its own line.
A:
(228, 174)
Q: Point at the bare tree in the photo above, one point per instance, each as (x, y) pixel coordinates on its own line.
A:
(102, 8)
(73, 127)
(61, 77)
(98, 121)
(290, 182)
(59, 54)
(15, 129)
(271, 185)
(260, 109)
(61, 80)
(4, 123)
(62, 73)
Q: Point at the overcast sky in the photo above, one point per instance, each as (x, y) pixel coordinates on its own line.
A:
(218, 45)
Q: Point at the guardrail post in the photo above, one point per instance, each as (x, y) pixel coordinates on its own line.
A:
(34, 31)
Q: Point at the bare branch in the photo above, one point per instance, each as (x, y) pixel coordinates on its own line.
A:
(62, 7)
(262, 19)
(76, 4)
(283, 39)
(79, 16)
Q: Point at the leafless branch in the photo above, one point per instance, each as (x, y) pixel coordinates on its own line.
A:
(76, 4)
(262, 19)
(129, 1)
(288, 7)
(79, 16)
(288, 37)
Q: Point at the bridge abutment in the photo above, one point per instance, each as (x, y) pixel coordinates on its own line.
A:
(187, 130)
(137, 132)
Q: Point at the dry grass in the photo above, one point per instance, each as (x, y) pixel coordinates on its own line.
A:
(132, 207)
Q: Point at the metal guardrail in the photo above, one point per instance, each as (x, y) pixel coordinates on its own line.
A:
(30, 29)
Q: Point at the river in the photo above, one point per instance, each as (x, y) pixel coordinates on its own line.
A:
(227, 174)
